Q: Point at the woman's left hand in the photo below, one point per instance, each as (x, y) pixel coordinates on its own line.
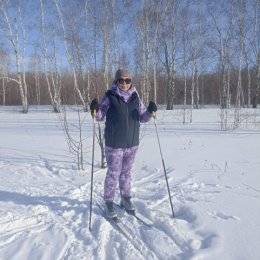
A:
(152, 107)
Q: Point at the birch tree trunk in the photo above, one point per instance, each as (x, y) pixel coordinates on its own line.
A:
(256, 48)
(3, 91)
(248, 82)
(195, 57)
(36, 77)
(144, 26)
(86, 91)
(186, 58)
(4, 74)
(154, 54)
(106, 44)
(255, 101)
(193, 80)
(169, 45)
(239, 96)
(24, 83)
(115, 63)
(197, 89)
(55, 77)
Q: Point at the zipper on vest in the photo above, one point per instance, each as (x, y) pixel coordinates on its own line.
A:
(127, 125)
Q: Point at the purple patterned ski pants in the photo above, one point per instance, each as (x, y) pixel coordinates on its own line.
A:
(119, 164)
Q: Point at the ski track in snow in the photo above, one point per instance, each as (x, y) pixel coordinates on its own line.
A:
(44, 207)
(66, 218)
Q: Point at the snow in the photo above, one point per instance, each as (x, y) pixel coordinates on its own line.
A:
(213, 177)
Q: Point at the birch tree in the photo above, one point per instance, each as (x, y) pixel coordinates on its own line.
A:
(115, 62)
(147, 16)
(196, 53)
(4, 68)
(159, 10)
(36, 70)
(106, 25)
(247, 53)
(186, 55)
(17, 40)
(70, 58)
(168, 42)
(241, 50)
(51, 76)
(221, 44)
(255, 44)
(141, 15)
(86, 75)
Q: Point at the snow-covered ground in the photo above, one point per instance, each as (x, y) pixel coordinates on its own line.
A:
(214, 178)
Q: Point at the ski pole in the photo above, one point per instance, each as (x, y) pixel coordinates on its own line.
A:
(166, 178)
(92, 169)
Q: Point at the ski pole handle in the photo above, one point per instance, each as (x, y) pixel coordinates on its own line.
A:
(94, 113)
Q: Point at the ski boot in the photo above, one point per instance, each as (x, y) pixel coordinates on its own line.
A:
(127, 205)
(110, 211)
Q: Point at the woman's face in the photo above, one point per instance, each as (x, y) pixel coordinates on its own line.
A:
(124, 83)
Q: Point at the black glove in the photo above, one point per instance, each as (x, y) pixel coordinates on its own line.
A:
(152, 107)
(94, 106)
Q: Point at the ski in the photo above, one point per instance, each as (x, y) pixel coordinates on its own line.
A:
(142, 221)
(116, 224)
(136, 216)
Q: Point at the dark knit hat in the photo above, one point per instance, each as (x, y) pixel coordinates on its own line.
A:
(122, 73)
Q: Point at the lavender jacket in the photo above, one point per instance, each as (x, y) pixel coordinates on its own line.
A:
(145, 115)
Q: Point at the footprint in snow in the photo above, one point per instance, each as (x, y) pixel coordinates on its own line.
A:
(222, 216)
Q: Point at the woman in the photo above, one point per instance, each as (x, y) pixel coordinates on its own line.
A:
(124, 111)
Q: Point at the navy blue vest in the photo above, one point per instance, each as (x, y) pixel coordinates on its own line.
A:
(122, 121)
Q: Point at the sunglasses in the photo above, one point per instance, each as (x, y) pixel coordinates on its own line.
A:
(121, 81)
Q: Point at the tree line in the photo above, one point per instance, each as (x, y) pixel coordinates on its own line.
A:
(179, 51)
